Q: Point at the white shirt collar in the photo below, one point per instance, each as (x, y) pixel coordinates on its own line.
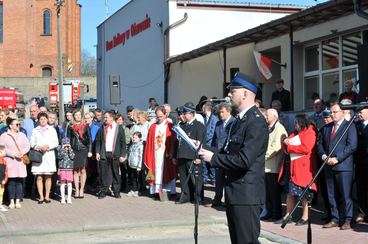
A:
(241, 114)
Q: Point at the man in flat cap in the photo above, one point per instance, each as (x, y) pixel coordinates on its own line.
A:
(243, 159)
(185, 155)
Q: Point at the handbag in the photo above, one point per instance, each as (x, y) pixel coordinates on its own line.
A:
(25, 158)
(35, 156)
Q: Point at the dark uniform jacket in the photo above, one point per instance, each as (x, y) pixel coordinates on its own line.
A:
(361, 154)
(119, 148)
(243, 159)
(194, 130)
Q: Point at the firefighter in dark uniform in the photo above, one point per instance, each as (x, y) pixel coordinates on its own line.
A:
(185, 155)
(243, 159)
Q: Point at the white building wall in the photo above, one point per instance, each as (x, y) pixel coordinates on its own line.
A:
(194, 78)
(139, 62)
(207, 25)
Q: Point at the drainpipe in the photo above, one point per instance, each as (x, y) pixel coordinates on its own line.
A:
(166, 52)
(225, 68)
(358, 9)
(291, 37)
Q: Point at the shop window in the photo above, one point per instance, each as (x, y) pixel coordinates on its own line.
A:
(1, 22)
(46, 22)
(351, 74)
(46, 72)
(330, 54)
(311, 58)
(311, 85)
(350, 48)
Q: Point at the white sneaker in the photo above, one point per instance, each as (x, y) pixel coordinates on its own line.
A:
(11, 206)
(3, 208)
(63, 201)
(135, 194)
(69, 201)
(130, 194)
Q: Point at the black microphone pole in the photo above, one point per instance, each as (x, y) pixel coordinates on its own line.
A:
(306, 194)
(194, 172)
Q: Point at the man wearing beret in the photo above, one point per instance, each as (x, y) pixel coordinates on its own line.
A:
(243, 159)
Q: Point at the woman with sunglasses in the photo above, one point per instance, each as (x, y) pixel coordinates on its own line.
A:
(16, 146)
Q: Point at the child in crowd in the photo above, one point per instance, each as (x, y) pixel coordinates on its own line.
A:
(3, 177)
(135, 162)
(66, 156)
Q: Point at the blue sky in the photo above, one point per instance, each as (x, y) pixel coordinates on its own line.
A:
(93, 14)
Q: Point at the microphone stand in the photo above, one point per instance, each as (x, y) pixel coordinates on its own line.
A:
(306, 192)
(194, 172)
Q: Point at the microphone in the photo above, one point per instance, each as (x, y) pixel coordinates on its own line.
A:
(358, 106)
(219, 100)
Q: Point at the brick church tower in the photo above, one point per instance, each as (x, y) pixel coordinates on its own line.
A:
(28, 38)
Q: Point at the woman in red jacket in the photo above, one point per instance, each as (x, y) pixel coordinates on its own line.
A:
(300, 165)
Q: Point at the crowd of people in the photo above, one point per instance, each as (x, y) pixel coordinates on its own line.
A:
(106, 153)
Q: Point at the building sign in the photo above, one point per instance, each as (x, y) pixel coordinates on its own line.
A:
(135, 29)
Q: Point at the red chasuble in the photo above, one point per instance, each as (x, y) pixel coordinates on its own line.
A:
(170, 172)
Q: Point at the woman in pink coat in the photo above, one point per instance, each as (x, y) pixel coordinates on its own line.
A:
(16, 145)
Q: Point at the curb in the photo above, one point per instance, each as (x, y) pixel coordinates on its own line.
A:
(277, 238)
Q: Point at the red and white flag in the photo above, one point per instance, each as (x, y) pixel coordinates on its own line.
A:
(264, 64)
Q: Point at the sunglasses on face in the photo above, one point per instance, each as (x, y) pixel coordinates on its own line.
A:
(17, 124)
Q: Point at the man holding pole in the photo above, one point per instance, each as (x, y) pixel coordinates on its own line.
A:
(243, 159)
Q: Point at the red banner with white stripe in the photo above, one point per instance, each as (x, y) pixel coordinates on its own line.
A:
(264, 64)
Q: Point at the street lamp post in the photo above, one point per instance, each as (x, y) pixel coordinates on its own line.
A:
(58, 5)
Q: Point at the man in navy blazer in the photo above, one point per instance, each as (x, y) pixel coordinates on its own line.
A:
(339, 167)
(218, 141)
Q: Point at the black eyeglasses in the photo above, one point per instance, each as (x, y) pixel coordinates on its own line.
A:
(17, 124)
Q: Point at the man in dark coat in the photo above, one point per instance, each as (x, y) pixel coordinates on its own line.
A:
(110, 152)
(339, 167)
(185, 154)
(361, 165)
(243, 158)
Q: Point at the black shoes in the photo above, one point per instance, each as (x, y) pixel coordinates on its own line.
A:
(117, 195)
(301, 222)
(101, 196)
(181, 201)
(280, 221)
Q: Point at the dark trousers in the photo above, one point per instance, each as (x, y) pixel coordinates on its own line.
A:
(123, 176)
(220, 183)
(109, 174)
(361, 178)
(323, 190)
(273, 195)
(339, 182)
(209, 173)
(142, 174)
(15, 188)
(133, 175)
(186, 192)
(29, 183)
(244, 224)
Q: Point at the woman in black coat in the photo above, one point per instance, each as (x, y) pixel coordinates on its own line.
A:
(80, 140)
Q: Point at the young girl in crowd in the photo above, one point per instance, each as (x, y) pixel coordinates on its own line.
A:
(135, 162)
(66, 156)
(3, 176)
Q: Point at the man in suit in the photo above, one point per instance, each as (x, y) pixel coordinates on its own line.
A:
(361, 165)
(185, 155)
(218, 141)
(243, 159)
(210, 120)
(110, 152)
(339, 167)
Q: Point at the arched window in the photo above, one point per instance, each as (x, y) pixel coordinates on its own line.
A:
(46, 72)
(47, 22)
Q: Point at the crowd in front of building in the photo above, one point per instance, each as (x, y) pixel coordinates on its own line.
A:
(108, 152)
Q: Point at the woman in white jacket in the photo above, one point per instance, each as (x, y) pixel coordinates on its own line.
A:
(45, 140)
